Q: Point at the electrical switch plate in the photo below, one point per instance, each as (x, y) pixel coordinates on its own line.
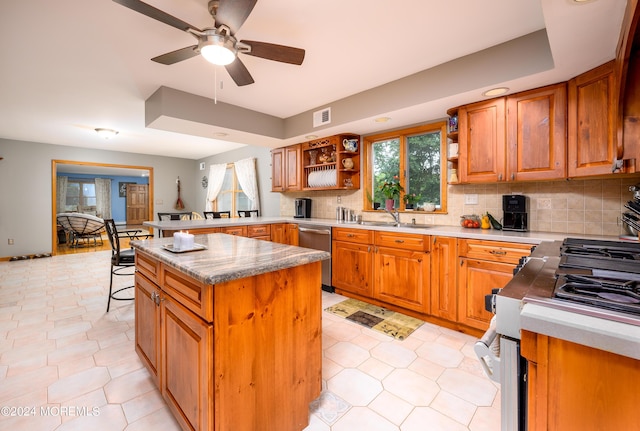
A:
(339, 199)
(10, 241)
(471, 199)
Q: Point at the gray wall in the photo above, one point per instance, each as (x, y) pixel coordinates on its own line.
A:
(25, 188)
(269, 201)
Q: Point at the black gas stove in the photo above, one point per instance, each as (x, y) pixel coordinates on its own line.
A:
(602, 274)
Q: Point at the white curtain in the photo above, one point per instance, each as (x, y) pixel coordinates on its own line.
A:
(61, 194)
(216, 178)
(247, 178)
(103, 197)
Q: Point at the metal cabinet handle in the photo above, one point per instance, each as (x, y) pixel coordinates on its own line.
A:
(498, 252)
(399, 241)
(350, 235)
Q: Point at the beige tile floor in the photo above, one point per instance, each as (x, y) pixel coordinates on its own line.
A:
(65, 364)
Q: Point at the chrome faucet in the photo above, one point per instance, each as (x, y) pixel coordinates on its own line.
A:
(396, 216)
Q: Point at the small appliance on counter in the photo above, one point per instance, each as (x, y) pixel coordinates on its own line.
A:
(631, 218)
(302, 208)
(514, 208)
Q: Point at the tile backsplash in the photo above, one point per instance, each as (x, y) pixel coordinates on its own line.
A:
(573, 207)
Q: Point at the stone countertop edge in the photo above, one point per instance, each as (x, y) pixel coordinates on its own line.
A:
(229, 257)
(615, 337)
(435, 230)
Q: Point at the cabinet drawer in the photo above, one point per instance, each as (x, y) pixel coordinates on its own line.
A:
(148, 266)
(258, 230)
(406, 241)
(234, 230)
(360, 236)
(196, 296)
(495, 251)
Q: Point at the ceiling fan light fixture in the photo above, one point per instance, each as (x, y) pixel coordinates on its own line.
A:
(218, 49)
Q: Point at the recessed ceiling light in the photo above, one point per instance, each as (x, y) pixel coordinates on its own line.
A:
(495, 92)
(106, 133)
(220, 134)
(382, 119)
(311, 136)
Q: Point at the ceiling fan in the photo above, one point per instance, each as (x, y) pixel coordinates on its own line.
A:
(218, 44)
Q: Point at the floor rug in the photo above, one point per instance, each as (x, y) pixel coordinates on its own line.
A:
(394, 324)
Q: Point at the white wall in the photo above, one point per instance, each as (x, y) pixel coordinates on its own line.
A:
(25, 188)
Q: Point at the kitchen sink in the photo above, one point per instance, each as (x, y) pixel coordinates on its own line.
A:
(415, 225)
(392, 224)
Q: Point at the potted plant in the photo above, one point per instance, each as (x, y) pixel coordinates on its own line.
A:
(410, 200)
(391, 190)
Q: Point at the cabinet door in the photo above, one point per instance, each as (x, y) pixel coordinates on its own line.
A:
(536, 134)
(187, 367)
(476, 279)
(402, 278)
(444, 256)
(352, 266)
(147, 323)
(293, 174)
(234, 230)
(482, 142)
(592, 123)
(285, 233)
(277, 170)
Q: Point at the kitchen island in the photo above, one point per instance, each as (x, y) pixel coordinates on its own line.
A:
(231, 333)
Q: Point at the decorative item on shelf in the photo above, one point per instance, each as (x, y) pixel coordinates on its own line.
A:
(410, 200)
(429, 207)
(391, 190)
(347, 163)
(350, 145)
(348, 182)
(453, 178)
(453, 124)
(453, 149)
(313, 154)
(333, 156)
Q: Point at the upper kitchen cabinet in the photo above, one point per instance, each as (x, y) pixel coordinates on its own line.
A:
(592, 122)
(537, 135)
(521, 137)
(481, 140)
(285, 168)
(331, 163)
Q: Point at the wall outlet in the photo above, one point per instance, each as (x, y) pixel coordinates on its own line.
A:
(10, 241)
(339, 199)
(471, 199)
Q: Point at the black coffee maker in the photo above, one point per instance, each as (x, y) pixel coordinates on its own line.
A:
(302, 208)
(514, 208)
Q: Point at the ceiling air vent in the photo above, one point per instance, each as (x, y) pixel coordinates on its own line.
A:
(322, 117)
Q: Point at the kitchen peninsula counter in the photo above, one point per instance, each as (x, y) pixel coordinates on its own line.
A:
(232, 333)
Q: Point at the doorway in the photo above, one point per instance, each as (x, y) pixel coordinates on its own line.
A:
(143, 199)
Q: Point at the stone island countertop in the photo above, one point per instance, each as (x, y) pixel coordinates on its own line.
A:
(229, 257)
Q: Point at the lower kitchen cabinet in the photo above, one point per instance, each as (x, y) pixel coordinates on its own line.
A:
(147, 322)
(285, 233)
(444, 287)
(575, 387)
(352, 267)
(402, 278)
(187, 366)
(484, 265)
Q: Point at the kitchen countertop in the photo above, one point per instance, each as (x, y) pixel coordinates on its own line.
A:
(436, 230)
(229, 257)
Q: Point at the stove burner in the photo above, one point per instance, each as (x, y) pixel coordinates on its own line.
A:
(606, 252)
(620, 295)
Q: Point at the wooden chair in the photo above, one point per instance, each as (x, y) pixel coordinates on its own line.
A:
(120, 261)
(210, 215)
(248, 213)
(174, 216)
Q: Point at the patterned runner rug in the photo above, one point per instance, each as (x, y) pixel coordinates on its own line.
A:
(392, 323)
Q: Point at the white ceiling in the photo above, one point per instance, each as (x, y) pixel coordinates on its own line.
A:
(71, 66)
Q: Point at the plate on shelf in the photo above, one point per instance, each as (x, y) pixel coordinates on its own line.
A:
(196, 247)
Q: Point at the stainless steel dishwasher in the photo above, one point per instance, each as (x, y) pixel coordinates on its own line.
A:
(318, 238)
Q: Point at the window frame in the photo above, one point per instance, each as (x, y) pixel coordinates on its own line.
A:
(80, 207)
(234, 191)
(402, 135)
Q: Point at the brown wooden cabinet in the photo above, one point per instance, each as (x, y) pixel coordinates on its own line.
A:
(537, 134)
(147, 324)
(286, 169)
(352, 261)
(444, 288)
(482, 142)
(285, 233)
(234, 230)
(401, 270)
(259, 231)
(592, 117)
(325, 164)
(484, 265)
(521, 137)
(575, 387)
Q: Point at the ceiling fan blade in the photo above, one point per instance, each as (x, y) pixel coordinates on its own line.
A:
(271, 51)
(239, 73)
(177, 55)
(233, 13)
(156, 14)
